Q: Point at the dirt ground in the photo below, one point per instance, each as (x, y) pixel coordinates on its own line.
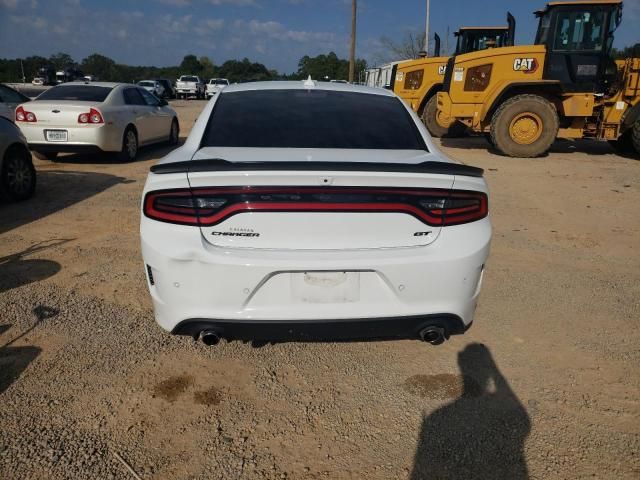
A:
(545, 385)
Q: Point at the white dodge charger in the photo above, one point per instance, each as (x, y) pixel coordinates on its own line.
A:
(303, 210)
(83, 117)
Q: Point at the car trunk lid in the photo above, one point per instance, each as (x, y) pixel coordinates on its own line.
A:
(59, 112)
(294, 199)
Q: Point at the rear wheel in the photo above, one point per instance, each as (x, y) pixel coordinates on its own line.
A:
(524, 126)
(438, 124)
(129, 150)
(18, 177)
(46, 155)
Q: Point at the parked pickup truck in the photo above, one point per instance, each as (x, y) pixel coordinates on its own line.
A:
(190, 86)
(215, 85)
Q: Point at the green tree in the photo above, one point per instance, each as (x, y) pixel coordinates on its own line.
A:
(190, 65)
(61, 60)
(327, 67)
(102, 67)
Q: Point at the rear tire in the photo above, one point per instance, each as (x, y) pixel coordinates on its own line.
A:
(46, 155)
(525, 126)
(174, 133)
(129, 150)
(18, 176)
(624, 144)
(430, 117)
(635, 136)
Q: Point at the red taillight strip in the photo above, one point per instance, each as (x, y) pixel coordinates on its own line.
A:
(210, 217)
(207, 221)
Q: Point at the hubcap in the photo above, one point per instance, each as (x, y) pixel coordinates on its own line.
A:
(132, 144)
(525, 128)
(19, 175)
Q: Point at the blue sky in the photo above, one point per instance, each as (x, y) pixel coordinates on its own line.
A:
(274, 32)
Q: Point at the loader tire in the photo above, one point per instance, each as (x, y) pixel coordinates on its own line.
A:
(444, 127)
(624, 144)
(524, 126)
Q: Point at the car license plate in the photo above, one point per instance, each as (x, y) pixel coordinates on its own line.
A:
(56, 135)
(326, 287)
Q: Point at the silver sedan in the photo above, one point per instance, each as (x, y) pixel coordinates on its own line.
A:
(84, 117)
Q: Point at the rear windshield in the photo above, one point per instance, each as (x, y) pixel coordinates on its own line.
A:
(219, 82)
(311, 119)
(83, 93)
(146, 84)
(188, 79)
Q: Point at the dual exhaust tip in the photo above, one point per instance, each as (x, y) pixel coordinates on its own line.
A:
(432, 334)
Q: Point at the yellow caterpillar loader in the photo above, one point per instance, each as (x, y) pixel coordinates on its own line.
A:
(566, 85)
(418, 81)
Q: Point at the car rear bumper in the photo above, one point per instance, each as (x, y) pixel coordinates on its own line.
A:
(80, 139)
(195, 282)
(322, 330)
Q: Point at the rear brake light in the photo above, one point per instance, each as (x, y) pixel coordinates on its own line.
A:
(94, 116)
(24, 116)
(211, 206)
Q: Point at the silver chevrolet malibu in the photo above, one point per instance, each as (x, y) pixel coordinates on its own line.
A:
(83, 117)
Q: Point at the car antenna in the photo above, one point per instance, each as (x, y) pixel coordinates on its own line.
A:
(309, 83)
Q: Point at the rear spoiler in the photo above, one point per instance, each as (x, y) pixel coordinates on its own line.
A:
(220, 165)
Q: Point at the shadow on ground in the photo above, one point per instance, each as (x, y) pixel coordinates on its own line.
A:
(590, 147)
(145, 153)
(481, 434)
(55, 191)
(15, 360)
(16, 270)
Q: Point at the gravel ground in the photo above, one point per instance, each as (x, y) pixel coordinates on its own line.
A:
(545, 385)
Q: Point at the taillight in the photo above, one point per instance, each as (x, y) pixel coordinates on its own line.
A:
(94, 116)
(24, 116)
(211, 206)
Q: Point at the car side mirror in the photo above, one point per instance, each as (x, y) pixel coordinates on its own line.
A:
(162, 102)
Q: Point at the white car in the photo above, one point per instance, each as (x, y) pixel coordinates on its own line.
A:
(96, 117)
(301, 209)
(190, 86)
(215, 85)
(37, 81)
(17, 175)
(9, 100)
(152, 86)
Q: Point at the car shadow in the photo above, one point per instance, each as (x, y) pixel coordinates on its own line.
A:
(15, 360)
(561, 145)
(149, 152)
(55, 191)
(479, 435)
(17, 271)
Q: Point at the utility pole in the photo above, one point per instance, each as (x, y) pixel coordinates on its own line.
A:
(426, 30)
(352, 53)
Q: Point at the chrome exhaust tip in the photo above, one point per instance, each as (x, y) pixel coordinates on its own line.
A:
(209, 337)
(433, 335)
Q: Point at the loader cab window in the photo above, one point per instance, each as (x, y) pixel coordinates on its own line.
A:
(565, 29)
(476, 40)
(580, 31)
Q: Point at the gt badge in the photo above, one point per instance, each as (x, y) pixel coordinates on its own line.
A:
(526, 65)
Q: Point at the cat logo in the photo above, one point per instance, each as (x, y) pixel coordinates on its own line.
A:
(526, 65)
(442, 69)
